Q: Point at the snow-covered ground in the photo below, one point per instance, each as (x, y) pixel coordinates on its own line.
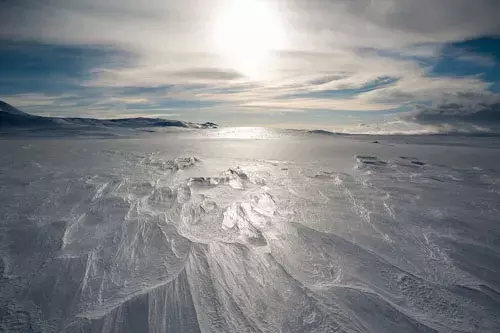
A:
(250, 230)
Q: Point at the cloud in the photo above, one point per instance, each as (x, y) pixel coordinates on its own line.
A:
(467, 112)
(339, 55)
(209, 74)
(383, 23)
(399, 21)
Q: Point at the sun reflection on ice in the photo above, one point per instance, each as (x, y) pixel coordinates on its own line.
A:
(258, 133)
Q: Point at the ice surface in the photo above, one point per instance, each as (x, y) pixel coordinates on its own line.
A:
(249, 231)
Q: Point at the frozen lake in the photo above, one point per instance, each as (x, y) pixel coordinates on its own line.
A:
(249, 230)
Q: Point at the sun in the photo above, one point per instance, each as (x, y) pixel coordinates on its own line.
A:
(246, 32)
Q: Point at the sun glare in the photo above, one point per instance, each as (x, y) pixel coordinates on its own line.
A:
(246, 32)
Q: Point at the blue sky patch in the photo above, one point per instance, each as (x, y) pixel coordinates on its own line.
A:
(476, 57)
(29, 67)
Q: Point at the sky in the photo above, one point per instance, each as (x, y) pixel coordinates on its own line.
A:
(345, 65)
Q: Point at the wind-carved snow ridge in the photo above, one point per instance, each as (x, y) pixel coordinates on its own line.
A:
(136, 237)
(155, 236)
(176, 164)
(231, 208)
(368, 161)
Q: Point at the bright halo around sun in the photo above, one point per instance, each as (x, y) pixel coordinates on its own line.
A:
(246, 34)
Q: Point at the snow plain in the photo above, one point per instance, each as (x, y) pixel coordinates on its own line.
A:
(249, 230)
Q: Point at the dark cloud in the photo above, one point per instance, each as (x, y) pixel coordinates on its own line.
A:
(430, 16)
(408, 21)
(465, 111)
(487, 114)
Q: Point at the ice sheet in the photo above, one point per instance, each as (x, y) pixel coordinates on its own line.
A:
(268, 231)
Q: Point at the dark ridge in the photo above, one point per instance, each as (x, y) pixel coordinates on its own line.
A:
(11, 117)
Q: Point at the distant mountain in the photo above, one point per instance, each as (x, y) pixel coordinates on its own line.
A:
(7, 108)
(323, 132)
(11, 117)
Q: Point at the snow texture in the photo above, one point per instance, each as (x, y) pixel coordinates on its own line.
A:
(246, 230)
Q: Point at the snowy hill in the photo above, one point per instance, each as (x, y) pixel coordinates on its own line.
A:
(7, 108)
(11, 117)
